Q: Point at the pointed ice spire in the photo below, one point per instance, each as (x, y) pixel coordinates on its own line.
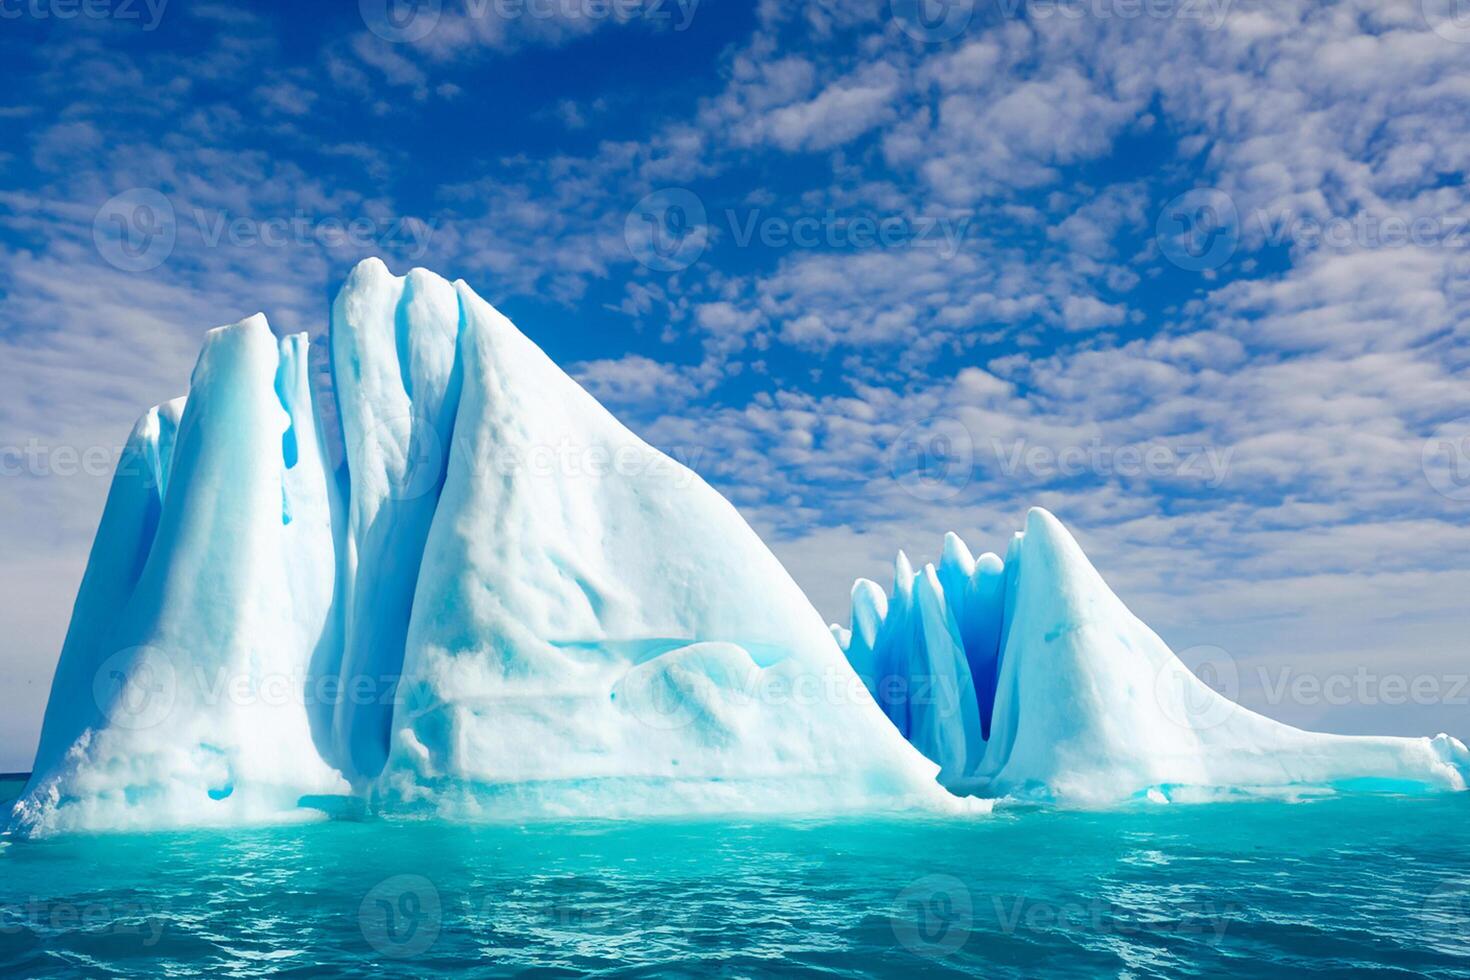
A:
(903, 578)
(944, 720)
(956, 565)
(869, 609)
(1012, 586)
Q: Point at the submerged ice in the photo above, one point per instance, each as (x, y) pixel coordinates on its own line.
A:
(499, 603)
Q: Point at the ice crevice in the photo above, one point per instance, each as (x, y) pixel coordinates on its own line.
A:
(439, 623)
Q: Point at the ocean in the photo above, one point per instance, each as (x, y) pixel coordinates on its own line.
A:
(1338, 887)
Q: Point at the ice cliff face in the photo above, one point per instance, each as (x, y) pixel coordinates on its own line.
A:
(1029, 678)
(503, 605)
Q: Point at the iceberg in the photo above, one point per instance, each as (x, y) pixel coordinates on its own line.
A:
(502, 604)
(1028, 678)
(450, 583)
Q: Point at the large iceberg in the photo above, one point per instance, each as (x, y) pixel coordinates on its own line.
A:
(1027, 678)
(450, 582)
(503, 604)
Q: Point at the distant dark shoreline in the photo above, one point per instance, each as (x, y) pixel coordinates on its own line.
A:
(15, 775)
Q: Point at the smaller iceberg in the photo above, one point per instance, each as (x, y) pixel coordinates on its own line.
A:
(1028, 678)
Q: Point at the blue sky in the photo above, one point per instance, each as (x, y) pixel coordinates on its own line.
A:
(1194, 274)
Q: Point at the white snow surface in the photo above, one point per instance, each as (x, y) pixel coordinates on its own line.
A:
(503, 605)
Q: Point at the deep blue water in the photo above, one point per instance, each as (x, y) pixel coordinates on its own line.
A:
(1342, 887)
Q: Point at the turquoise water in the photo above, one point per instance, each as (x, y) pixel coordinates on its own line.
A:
(1331, 888)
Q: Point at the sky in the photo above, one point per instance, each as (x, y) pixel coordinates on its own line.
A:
(1192, 274)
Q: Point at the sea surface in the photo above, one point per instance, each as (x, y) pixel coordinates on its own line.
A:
(1344, 887)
